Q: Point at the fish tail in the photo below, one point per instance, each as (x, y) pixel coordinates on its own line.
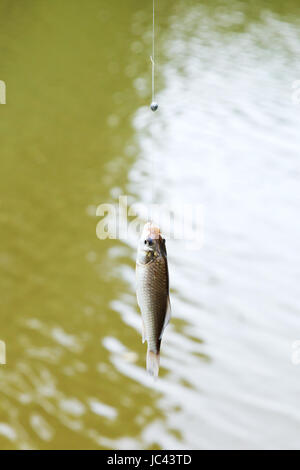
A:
(152, 363)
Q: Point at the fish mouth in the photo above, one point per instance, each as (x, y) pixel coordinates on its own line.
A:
(151, 231)
(152, 240)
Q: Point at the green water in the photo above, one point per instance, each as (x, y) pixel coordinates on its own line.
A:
(78, 80)
(69, 69)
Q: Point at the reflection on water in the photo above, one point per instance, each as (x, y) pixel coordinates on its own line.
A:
(75, 132)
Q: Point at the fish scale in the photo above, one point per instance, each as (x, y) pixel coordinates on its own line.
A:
(153, 287)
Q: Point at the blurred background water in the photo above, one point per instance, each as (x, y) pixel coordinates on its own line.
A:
(76, 132)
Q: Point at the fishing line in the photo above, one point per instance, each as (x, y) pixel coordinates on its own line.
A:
(153, 107)
(154, 104)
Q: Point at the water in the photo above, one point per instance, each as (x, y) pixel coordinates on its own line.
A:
(75, 132)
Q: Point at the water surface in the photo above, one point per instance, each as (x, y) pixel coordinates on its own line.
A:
(76, 132)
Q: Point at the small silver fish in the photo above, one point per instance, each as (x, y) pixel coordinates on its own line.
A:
(153, 291)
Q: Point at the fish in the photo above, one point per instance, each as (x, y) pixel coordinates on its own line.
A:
(152, 289)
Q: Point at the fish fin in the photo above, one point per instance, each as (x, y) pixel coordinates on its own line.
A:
(152, 363)
(138, 299)
(167, 317)
(143, 332)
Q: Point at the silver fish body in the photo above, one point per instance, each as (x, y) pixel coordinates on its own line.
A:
(153, 292)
